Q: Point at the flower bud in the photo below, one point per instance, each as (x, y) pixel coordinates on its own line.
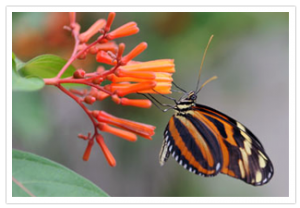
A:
(84, 37)
(109, 157)
(110, 20)
(125, 30)
(79, 74)
(88, 150)
(135, 52)
(89, 99)
(103, 57)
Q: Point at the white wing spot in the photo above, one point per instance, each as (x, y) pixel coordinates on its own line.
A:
(167, 137)
(176, 158)
(180, 162)
(265, 180)
(170, 148)
(173, 155)
(185, 166)
(191, 169)
(258, 176)
(218, 166)
(269, 175)
(239, 125)
(262, 163)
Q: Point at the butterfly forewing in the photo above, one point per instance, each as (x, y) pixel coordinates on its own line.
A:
(243, 155)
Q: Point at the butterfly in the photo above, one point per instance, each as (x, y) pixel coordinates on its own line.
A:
(207, 142)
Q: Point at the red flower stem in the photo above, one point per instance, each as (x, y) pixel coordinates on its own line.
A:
(78, 100)
(75, 56)
(95, 75)
(82, 81)
(57, 81)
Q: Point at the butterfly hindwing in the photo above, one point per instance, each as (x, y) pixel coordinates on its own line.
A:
(192, 146)
(243, 155)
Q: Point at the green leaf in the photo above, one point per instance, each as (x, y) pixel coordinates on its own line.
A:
(19, 83)
(26, 83)
(46, 66)
(18, 63)
(45, 178)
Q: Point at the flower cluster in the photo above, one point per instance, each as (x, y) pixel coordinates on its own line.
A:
(125, 76)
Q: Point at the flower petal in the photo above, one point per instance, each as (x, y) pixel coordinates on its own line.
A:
(136, 74)
(162, 65)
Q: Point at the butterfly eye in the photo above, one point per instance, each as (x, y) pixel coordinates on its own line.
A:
(194, 97)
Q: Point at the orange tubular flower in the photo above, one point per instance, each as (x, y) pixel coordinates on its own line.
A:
(141, 76)
(141, 129)
(141, 103)
(109, 157)
(110, 20)
(161, 87)
(109, 46)
(136, 74)
(88, 150)
(125, 89)
(99, 24)
(128, 29)
(118, 132)
(135, 52)
(103, 57)
(162, 65)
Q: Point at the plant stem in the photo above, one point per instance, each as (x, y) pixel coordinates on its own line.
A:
(74, 57)
(86, 110)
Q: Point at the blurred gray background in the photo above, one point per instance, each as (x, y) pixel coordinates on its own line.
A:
(249, 54)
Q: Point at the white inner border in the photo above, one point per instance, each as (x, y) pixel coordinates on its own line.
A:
(292, 88)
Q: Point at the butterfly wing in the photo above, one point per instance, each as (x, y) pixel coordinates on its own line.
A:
(243, 155)
(206, 142)
(192, 145)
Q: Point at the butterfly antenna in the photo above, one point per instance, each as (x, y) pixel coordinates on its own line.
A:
(206, 82)
(211, 37)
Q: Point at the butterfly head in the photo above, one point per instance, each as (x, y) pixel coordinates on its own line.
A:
(192, 96)
(188, 97)
(186, 102)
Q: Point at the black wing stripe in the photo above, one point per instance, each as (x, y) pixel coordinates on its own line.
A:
(219, 126)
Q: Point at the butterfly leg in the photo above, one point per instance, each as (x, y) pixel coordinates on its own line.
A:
(157, 103)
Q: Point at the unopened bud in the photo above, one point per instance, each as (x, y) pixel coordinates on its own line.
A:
(78, 74)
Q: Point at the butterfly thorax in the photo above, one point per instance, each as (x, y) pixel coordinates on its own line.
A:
(186, 103)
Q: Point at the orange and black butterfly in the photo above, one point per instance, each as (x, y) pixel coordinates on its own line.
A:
(207, 142)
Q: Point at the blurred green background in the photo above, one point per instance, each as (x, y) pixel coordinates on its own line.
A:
(249, 54)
